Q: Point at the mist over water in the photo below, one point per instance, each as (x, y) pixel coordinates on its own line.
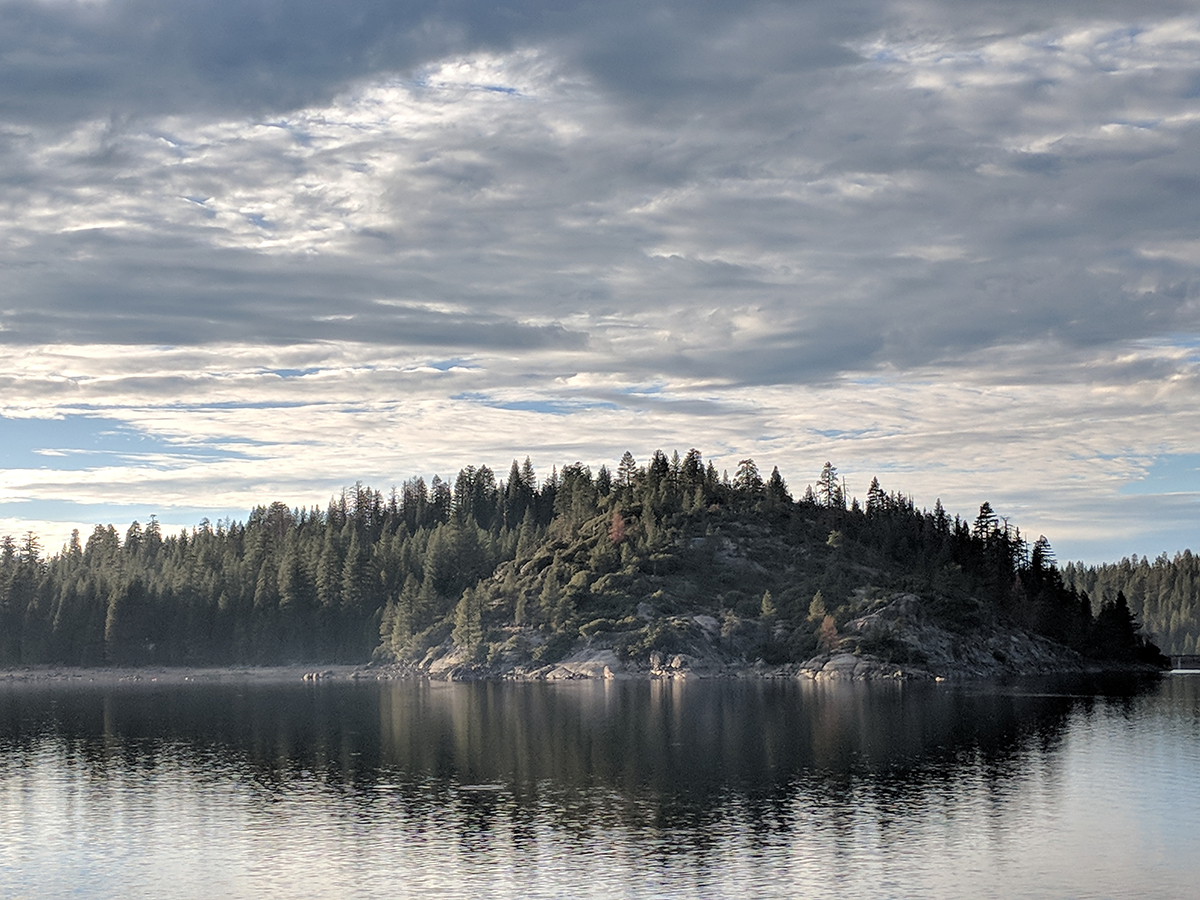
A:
(627, 789)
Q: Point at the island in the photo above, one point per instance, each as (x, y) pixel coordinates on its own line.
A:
(668, 569)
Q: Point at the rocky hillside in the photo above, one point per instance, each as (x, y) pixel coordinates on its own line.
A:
(759, 583)
(894, 639)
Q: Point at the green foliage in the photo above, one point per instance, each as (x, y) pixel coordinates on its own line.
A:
(555, 648)
(468, 622)
(816, 608)
(596, 626)
(665, 636)
(1163, 594)
(634, 553)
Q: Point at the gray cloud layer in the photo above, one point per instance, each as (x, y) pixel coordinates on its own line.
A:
(875, 183)
(65, 61)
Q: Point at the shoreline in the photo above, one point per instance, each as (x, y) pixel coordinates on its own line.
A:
(177, 675)
(869, 670)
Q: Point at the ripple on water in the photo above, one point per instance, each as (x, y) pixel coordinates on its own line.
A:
(609, 791)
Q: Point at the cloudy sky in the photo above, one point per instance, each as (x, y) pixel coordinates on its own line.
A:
(263, 249)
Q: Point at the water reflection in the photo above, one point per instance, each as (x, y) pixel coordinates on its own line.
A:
(605, 789)
(689, 746)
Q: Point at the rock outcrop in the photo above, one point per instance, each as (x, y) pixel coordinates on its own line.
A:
(917, 648)
(895, 639)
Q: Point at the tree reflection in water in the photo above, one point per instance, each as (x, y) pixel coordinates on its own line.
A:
(660, 754)
(602, 789)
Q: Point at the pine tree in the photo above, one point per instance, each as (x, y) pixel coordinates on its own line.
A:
(827, 633)
(358, 579)
(986, 523)
(777, 488)
(329, 573)
(876, 498)
(816, 609)
(829, 490)
(626, 470)
(468, 621)
(691, 470)
(747, 480)
(604, 482)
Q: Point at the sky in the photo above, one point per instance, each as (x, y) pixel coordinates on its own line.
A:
(261, 250)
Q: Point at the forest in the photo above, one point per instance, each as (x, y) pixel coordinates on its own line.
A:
(1163, 593)
(488, 563)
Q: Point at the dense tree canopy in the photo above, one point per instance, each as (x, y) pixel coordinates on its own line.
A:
(1163, 593)
(483, 562)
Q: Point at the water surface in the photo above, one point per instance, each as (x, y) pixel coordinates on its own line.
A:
(610, 789)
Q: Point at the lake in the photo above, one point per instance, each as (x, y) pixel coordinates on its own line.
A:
(709, 789)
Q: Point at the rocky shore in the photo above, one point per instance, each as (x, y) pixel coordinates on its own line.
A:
(914, 649)
(175, 675)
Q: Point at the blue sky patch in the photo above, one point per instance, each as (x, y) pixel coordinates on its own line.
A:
(74, 443)
(1177, 473)
(293, 373)
(445, 365)
(118, 515)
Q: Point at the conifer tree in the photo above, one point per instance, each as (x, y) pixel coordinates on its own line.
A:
(777, 488)
(329, 573)
(747, 480)
(357, 576)
(468, 621)
(626, 470)
(816, 608)
(829, 490)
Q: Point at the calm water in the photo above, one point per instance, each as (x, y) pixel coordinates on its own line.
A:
(600, 790)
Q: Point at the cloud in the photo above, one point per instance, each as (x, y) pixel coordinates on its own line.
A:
(68, 61)
(951, 239)
(523, 189)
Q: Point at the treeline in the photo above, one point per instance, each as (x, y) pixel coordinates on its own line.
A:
(481, 560)
(285, 585)
(1163, 593)
(989, 560)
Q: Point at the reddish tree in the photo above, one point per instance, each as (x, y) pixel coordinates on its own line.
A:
(616, 531)
(827, 633)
